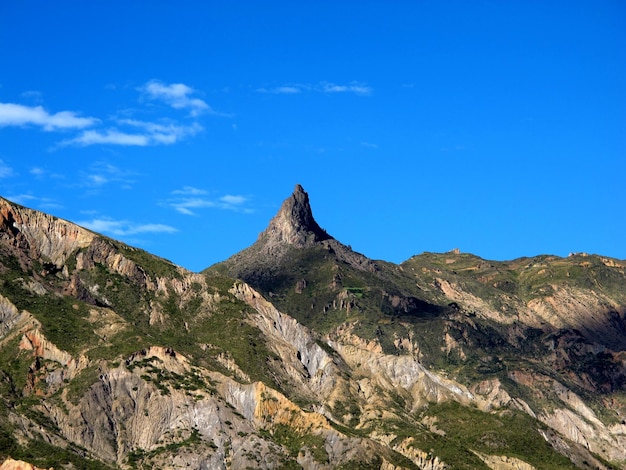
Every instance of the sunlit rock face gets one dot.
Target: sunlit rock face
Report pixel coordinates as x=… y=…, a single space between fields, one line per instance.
x=41 y=235
x=294 y=223
x=10 y=464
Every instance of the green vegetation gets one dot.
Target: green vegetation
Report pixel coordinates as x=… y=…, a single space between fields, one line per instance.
x=326 y=289
x=336 y=293
x=138 y=458
x=227 y=330
x=152 y=371
x=525 y=278
x=14 y=368
x=147 y=262
x=63 y=319
x=468 y=430
x=348 y=411
x=42 y=454
x=81 y=383
x=118 y=292
x=295 y=442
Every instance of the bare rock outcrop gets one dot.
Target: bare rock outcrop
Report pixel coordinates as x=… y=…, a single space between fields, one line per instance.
x=42 y=235
x=391 y=372
x=293 y=227
x=10 y=464
x=423 y=460
x=11 y=318
x=574 y=419
x=294 y=223
x=306 y=361
x=503 y=462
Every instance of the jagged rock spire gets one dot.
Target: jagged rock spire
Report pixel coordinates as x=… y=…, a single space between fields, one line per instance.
x=294 y=223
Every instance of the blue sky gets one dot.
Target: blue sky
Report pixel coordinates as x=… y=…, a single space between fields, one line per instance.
x=495 y=127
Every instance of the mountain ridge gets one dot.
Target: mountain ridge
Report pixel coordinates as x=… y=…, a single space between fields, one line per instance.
x=317 y=357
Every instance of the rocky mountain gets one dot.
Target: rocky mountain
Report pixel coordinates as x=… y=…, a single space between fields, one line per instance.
x=300 y=353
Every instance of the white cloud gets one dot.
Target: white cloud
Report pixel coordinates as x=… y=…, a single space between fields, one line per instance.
x=354 y=87
x=12 y=114
x=100 y=173
x=112 y=137
x=119 y=132
x=369 y=145
x=177 y=95
x=322 y=87
x=5 y=170
x=151 y=134
x=233 y=200
x=98 y=180
x=185 y=205
x=289 y=90
x=283 y=90
x=40 y=173
x=123 y=227
x=164 y=133
x=189 y=199
x=189 y=191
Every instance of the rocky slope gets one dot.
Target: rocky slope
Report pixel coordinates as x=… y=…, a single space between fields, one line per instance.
x=300 y=353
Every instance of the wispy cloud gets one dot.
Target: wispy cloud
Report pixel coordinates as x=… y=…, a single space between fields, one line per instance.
x=98 y=180
x=109 y=136
x=116 y=131
x=369 y=145
x=12 y=114
x=23 y=199
x=188 y=199
x=185 y=205
x=353 y=87
x=233 y=200
x=176 y=95
x=43 y=203
x=164 y=133
x=102 y=173
x=151 y=133
x=190 y=191
x=284 y=90
x=34 y=95
x=356 y=88
x=5 y=170
x=41 y=173
x=124 y=227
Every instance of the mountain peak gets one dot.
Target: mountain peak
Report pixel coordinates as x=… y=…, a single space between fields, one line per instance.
x=294 y=223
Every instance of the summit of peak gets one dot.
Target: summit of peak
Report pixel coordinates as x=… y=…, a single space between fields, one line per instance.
x=294 y=223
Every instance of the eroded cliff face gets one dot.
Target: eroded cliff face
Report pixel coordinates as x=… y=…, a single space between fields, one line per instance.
x=40 y=235
x=311 y=368
x=11 y=318
x=155 y=406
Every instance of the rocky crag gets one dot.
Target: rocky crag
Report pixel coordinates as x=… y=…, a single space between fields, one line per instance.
x=300 y=353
